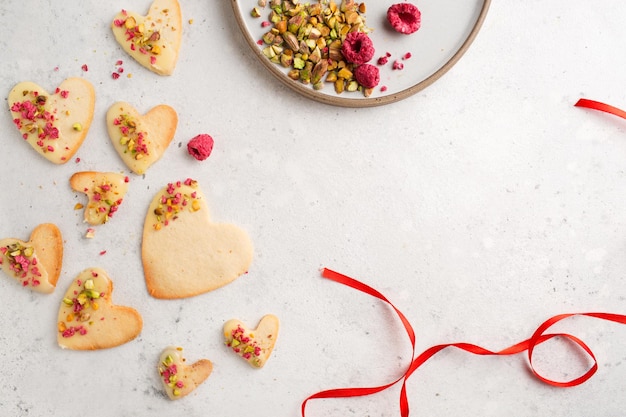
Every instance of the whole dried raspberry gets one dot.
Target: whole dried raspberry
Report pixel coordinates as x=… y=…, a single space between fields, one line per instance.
x=404 y=17
x=200 y=147
x=357 y=48
x=367 y=75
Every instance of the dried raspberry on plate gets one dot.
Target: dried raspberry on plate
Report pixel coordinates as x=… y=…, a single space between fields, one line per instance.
x=357 y=48
x=404 y=17
x=367 y=75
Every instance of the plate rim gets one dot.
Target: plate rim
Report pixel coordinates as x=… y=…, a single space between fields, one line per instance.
x=308 y=92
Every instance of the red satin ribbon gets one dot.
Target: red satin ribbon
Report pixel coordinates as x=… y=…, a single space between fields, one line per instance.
x=528 y=345
x=596 y=105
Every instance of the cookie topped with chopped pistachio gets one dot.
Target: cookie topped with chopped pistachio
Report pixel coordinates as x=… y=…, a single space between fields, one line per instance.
x=53 y=124
x=185 y=253
x=152 y=40
x=35 y=264
x=253 y=345
x=178 y=378
x=141 y=139
x=87 y=318
x=105 y=192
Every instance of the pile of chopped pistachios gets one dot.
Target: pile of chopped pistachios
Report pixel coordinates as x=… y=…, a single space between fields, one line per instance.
x=307 y=38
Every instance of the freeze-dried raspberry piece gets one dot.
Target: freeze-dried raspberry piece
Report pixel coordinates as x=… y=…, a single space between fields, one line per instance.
x=367 y=75
x=404 y=17
x=200 y=147
x=357 y=48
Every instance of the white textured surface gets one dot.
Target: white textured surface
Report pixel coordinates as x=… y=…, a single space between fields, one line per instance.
x=480 y=207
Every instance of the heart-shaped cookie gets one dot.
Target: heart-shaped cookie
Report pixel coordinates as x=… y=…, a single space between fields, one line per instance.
x=36 y=263
x=88 y=319
x=56 y=124
x=256 y=345
x=183 y=252
x=153 y=40
x=141 y=140
x=105 y=191
x=178 y=378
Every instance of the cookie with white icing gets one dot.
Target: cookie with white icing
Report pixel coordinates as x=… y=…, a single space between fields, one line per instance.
x=54 y=124
x=253 y=345
x=36 y=264
x=88 y=319
x=105 y=192
x=152 y=40
x=140 y=140
x=178 y=378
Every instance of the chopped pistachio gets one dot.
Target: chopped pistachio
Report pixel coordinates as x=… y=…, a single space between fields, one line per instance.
x=82 y=298
x=319 y=70
x=298 y=62
x=353 y=85
x=155 y=36
x=292 y=41
x=130 y=23
x=344 y=73
x=93 y=294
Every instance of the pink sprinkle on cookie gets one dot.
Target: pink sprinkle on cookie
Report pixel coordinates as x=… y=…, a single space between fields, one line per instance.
x=367 y=75
x=404 y=17
x=357 y=48
x=200 y=147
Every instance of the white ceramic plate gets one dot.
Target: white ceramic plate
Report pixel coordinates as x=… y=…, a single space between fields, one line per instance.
x=448 y=28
